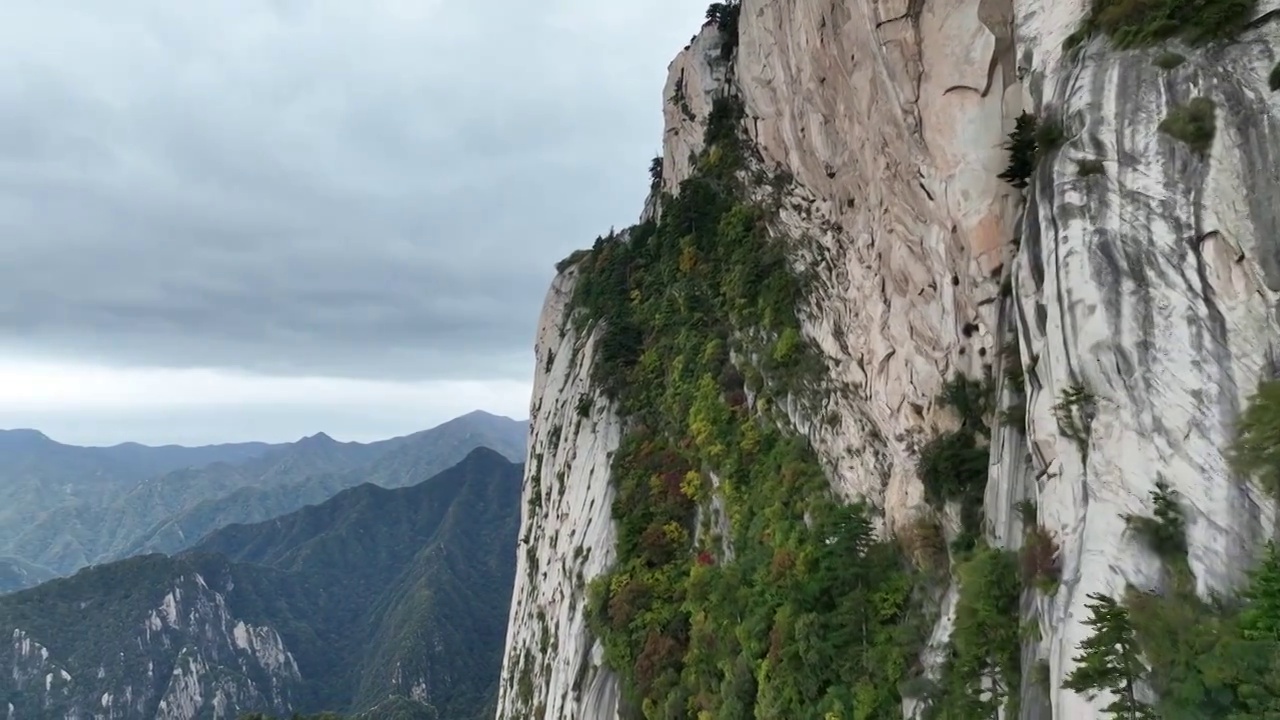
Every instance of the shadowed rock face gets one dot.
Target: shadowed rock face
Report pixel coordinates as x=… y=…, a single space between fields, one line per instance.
x=566 y=533
x=1151 y=285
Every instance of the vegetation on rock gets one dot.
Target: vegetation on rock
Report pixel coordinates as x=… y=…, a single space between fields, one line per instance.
x=1169 y=60
x=1193 y=124
x=1041 y=566
x=1014 y=415
x=725 y=16
x=1140 y=23
x=812 y=617
x=1031 y=140
x=982 y=670
x=1074 y=413
x=1022 y=151
x=1110 y=660
x=1217 y=658
x=953 y=465
x=1089 y=168
x=1255 y=451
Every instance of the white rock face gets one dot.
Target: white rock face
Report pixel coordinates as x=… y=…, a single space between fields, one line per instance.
x=892 y=126
x=224 y=665
x=550 y=668
x=1152 y=286
x=693 y=80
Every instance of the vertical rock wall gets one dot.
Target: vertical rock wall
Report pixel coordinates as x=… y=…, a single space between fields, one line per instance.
x=1151 y=285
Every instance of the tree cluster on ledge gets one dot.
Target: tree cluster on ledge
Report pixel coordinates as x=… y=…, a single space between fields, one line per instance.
x=1031 y=140
x=1142 y=23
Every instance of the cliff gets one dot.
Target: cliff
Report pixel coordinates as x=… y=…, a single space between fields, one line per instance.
x=552 y=664
x=1115 y=293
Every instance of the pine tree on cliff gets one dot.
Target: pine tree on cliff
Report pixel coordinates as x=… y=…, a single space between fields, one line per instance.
x=1260 y=619
x=1110 y=661
x=1255 y=658
x=1022 y=151
x=1255 y=451
x=725 y=17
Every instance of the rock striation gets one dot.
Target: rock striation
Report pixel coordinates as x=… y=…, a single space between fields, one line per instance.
x=1132 y=268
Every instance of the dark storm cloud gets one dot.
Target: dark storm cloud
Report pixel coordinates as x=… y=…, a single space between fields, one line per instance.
x=374 y=189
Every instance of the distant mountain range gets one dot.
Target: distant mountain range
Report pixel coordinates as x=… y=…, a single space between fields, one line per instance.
x=38 y=474
x=385 y=603
x=64 y=507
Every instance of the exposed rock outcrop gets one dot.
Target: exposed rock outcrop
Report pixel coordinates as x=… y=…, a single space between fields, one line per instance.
x=552 y=666
x=1152 y=286
x=223 y=665
x=1149 y=283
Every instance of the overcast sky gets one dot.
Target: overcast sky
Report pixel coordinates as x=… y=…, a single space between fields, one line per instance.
x=258 y=219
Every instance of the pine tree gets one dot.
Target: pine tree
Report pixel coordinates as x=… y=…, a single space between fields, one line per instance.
x=1109 y=660
x=1255 y=450
x=1260 y=620
x=1253 y=656
x=1022 y=151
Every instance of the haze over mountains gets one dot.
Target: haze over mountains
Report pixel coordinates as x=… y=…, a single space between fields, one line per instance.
x=64 y=507
x=369 y=579
x=386 y=602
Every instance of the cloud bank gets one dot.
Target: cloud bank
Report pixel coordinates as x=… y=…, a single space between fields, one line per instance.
x=369 y=191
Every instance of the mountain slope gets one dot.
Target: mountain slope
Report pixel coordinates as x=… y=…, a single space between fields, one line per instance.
x=410 y=460
x=38 y=474
x=446 y=598
x=171 y=512
x=16 y=575
x=278 y=616
x=80 y=533
x=976 y=291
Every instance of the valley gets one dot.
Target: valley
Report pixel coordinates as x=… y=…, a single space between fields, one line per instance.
x=367 y=580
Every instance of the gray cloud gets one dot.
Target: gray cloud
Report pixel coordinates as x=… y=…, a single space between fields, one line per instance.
x=372 y=189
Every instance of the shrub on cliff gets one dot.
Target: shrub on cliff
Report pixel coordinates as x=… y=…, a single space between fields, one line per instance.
x=982 y=671
x=1041 y=566
x=953 y=465
x=1193 y=124
x=1139 y=23
x=1256 y=448
x=1022 y=151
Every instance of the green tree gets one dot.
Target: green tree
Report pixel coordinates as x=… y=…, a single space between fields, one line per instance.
x=1022 y=151
x=725 y=16
x=1256 y=448
x=1110 y=660
x=1260 y=619
x=1250 y=660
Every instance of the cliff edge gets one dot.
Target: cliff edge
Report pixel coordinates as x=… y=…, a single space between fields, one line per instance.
x=971 y=291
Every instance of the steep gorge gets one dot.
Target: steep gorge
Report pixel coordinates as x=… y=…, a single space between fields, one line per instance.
x=1131 y=284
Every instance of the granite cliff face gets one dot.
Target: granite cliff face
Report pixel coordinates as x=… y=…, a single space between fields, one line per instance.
x=191 y=657
x=1147 y=282
x=552 y=666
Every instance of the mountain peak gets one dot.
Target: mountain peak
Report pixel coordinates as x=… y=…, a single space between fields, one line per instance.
x=478 y=414
x=18 y=437
x=320 y=438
